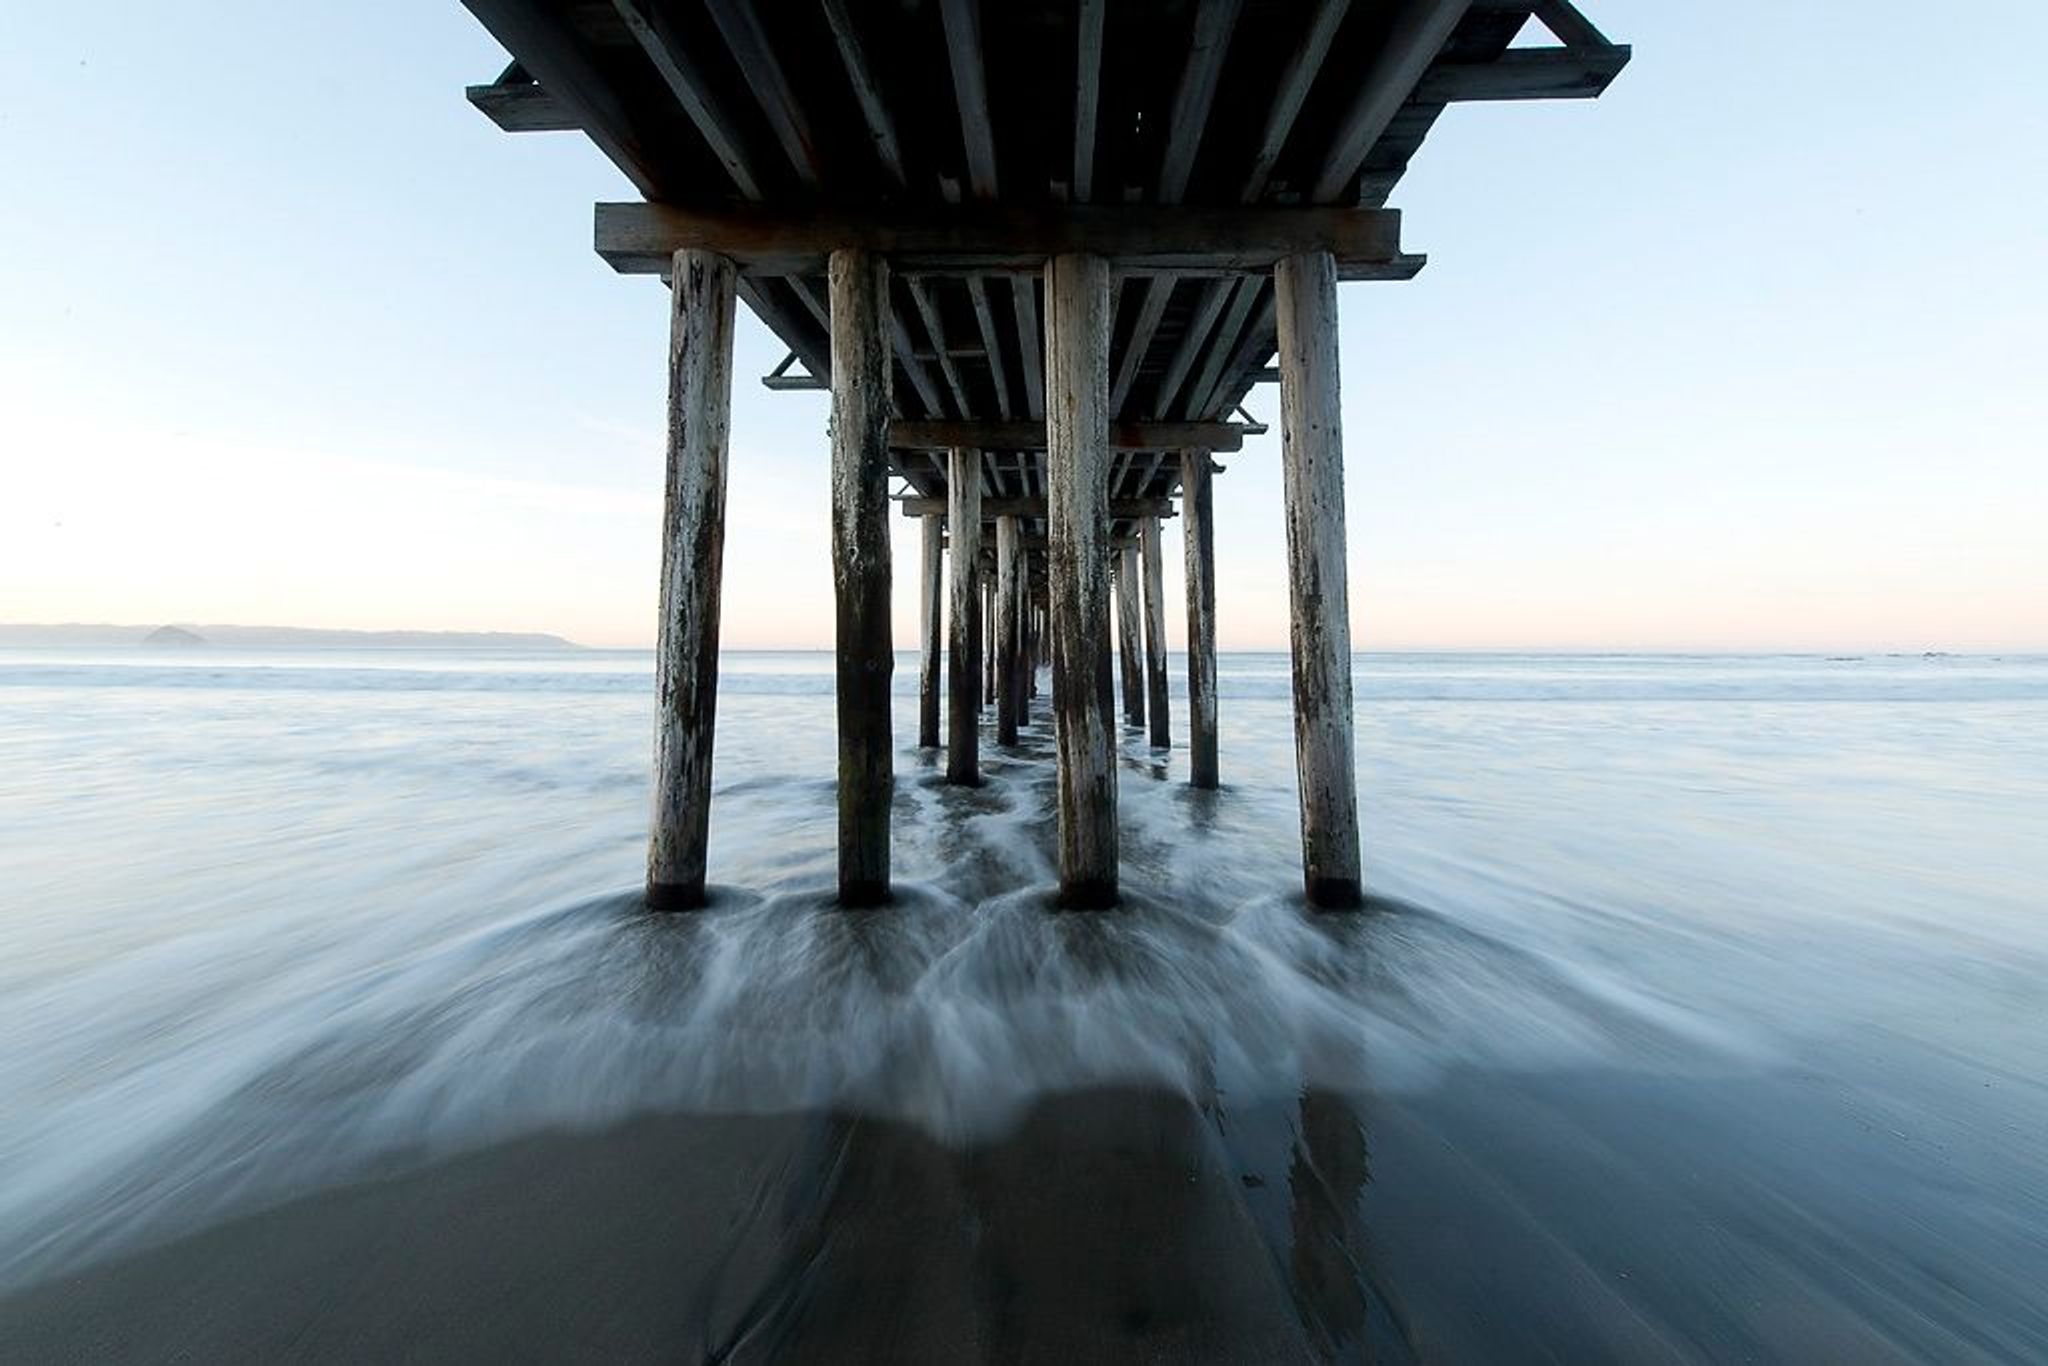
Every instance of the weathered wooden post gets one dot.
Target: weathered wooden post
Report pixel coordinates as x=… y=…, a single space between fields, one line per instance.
x=1198 y=541
x=985 y=638
x=1020 y=613
x=692 y=555
x=1312 y=465
x=1077 y=476
x=1009 y=621
x=963 y=667
x=1155 y=635
x=931 y=599
x=859 y=283
x=1041 y=639
x=1127 y=635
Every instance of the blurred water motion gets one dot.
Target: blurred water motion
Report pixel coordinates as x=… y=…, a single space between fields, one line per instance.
x=1700 y=1010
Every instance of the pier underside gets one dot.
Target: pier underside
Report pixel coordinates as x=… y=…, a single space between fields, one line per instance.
x=1184 y=159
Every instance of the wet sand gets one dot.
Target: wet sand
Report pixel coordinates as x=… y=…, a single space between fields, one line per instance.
x=1593 y=1217
x=1109 y=1226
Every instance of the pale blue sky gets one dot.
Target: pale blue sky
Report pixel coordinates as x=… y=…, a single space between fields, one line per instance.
x=1747 y=354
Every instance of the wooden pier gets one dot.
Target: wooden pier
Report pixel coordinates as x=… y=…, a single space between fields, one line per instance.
x=1040 y=252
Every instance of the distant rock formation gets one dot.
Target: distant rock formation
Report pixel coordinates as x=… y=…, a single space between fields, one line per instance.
x=76 y=634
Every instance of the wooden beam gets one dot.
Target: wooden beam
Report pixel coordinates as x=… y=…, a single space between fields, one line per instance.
x=692 y=556
x=1158 y=292
x=1245 y=363
x=906 y=356
x=1312 y=465
x=1215 y=293
x=881 y=126
x=1034 y=436
x=1033 y=505
x=640 y=238
x=962 y=20
x=1030 y=350
x=781 y=380
x=1546 y=73
x=1087 y=94
x=860 y=571
x=1420 y=30
x=992 y=347
x=1224 y=346
x=1207 y=47
x=550 y=48
x=519 y=104
x=1301 y=72
x=739 y=22
x=1136 y=482
x=963 y=663
x=760 y=295
x=920 y=296
x=670 y=55
x=1569 y=26
x=1077 y=381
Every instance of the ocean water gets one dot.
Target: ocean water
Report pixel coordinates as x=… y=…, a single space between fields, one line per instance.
x=1703 y=999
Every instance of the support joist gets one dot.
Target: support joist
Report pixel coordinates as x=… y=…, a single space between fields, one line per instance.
x=1418 y=32
x=519 y=104
x=1034 y=506
x=1031 y=436
x=1138 y=239
x=1526 y=74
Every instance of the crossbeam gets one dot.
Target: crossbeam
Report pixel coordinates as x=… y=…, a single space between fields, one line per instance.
x=1138 y=239
x=1526 y=74
x=1030 y=436
x=518 y=104
x=992 y=508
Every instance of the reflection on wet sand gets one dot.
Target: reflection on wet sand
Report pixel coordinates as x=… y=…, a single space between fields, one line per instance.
x=1107 y=1226
x=1326 y=1184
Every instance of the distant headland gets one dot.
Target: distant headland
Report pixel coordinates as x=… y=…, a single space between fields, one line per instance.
x=189 y=636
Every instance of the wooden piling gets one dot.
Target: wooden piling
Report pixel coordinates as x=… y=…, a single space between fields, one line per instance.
x=692 y=556
x=1077 y=318
x=1198 y=541
x=1155 y=634
x=1312 y=466
x=1128 y=631
x=1105 y=667
x=1041 y=644
x=1021 y=614
x=859 y=284
x=963 y=681
x=931 y=599
x=1009 y=623
x=985 y=638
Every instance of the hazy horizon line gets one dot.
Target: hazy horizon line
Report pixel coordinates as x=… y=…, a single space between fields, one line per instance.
x=1408 y=648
